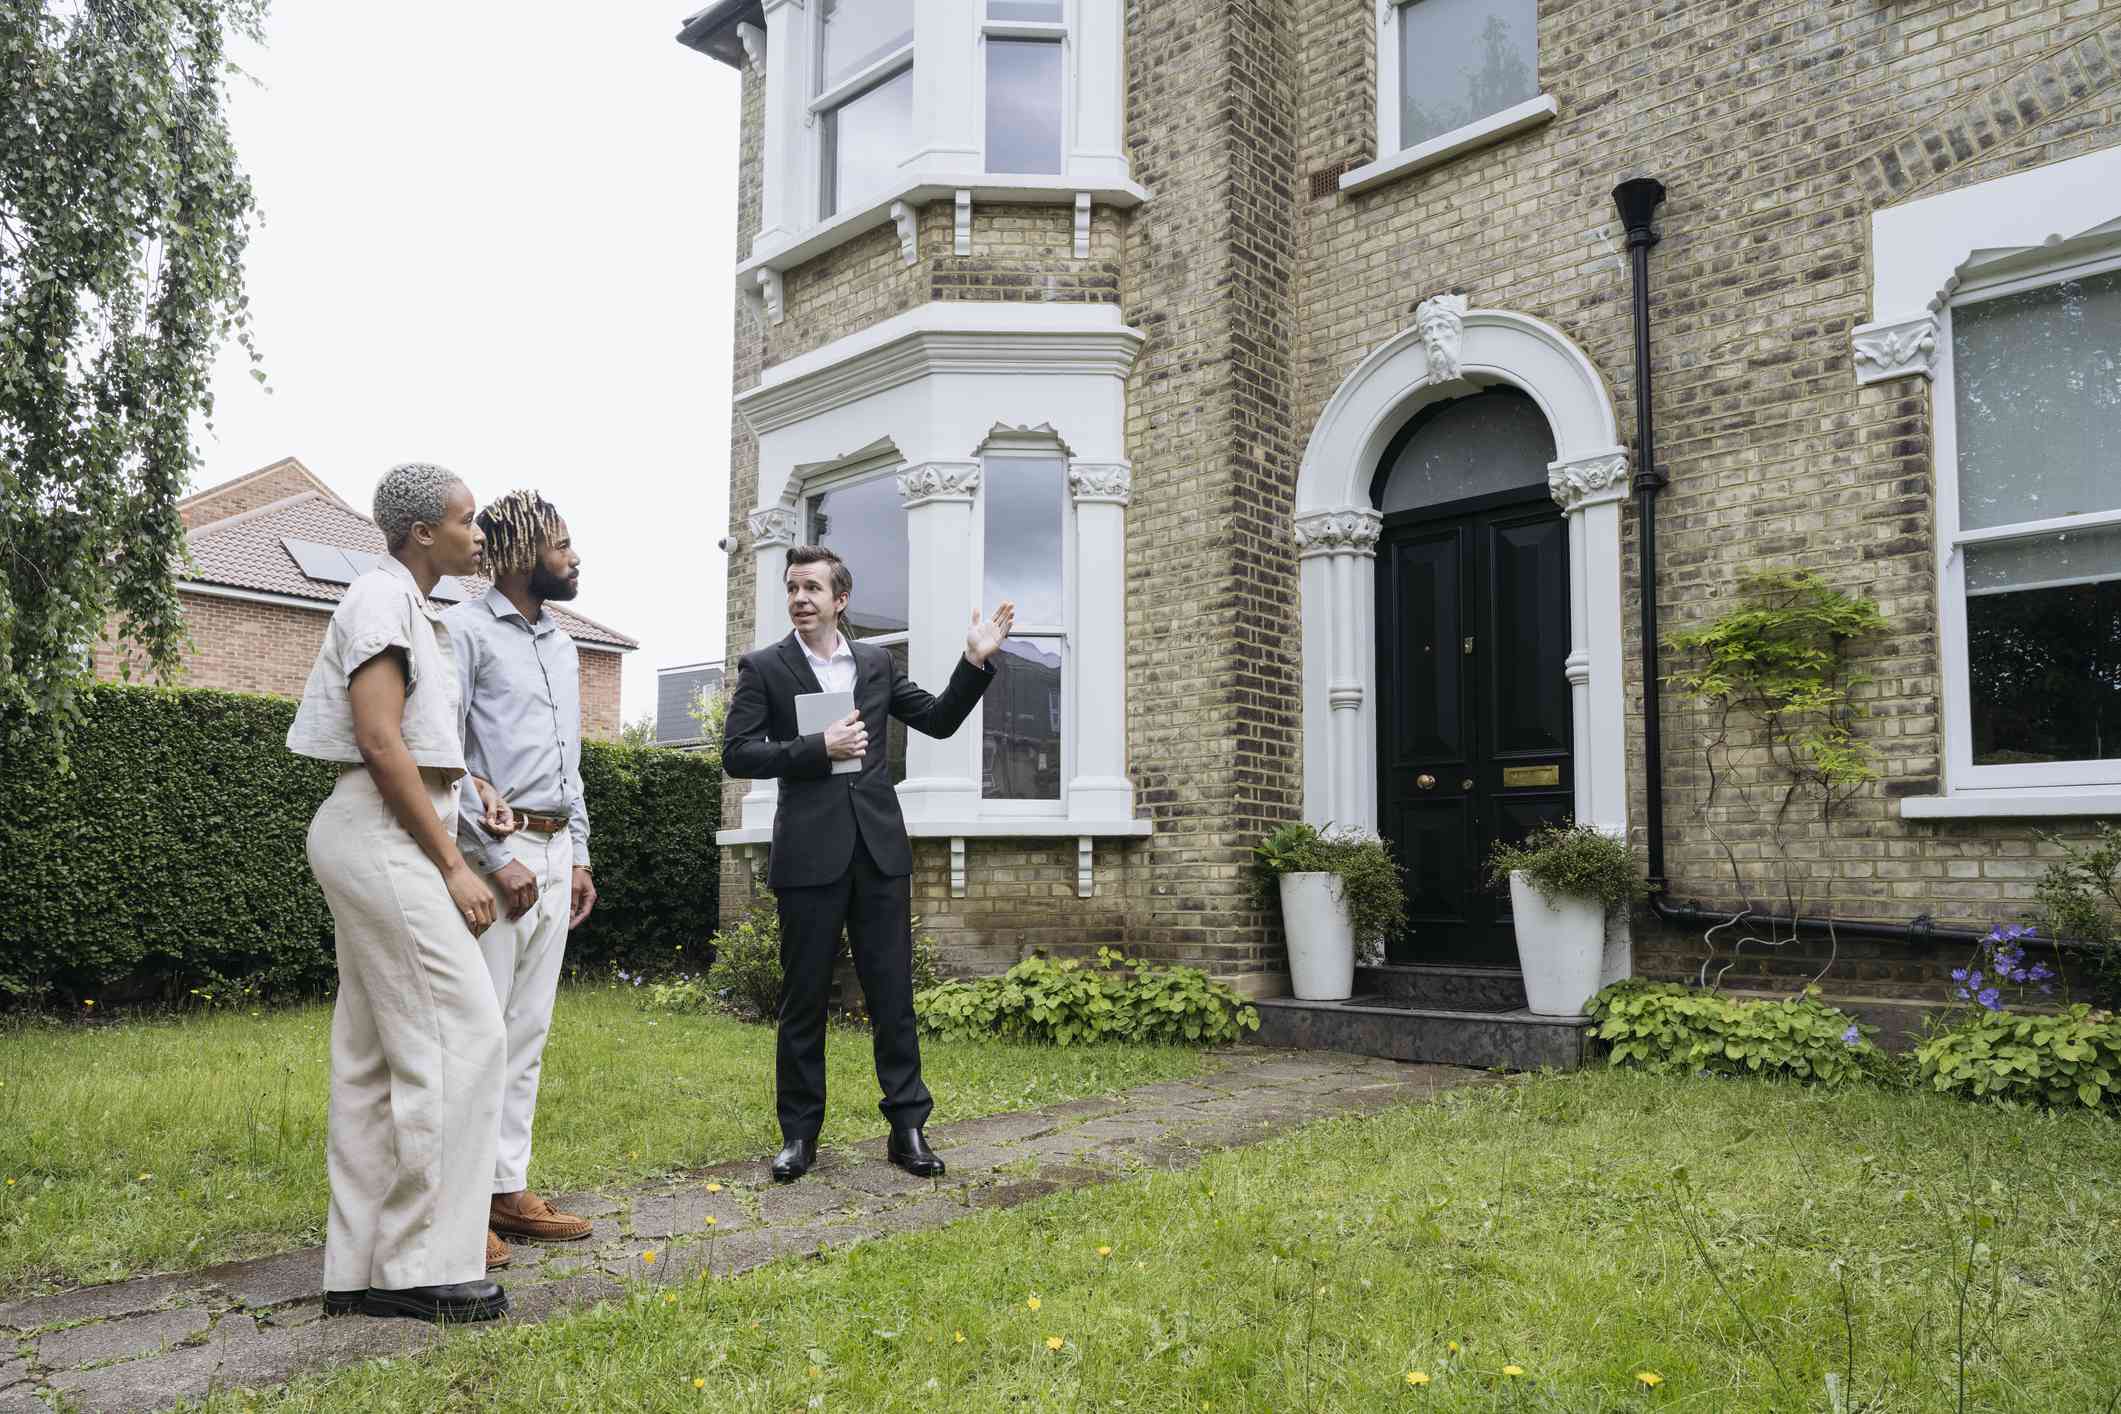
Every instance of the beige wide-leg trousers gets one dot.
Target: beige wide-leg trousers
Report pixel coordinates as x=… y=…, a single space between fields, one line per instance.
x=523 y=956
x=417 y=1054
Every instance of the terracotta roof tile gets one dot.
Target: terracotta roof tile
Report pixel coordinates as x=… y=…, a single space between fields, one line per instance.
x=245 y=552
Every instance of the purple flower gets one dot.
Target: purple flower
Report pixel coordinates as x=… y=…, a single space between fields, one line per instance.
x=2038 y=973
x=1852 y=1037
x=1990 y=998
x=1958 y=974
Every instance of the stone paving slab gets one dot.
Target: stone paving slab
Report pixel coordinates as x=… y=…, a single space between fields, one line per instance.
x=257 y=1324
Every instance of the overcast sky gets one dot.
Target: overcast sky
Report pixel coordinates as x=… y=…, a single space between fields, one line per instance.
x=501 y=238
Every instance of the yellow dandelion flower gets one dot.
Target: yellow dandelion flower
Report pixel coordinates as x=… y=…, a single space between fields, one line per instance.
x=1649 y=1378
x=11 y=1183
x=1031 y=1304
x=699 y=1384
x=649 y=1258
x=813 y=1371
x=669 y=1300
x=1450 y=1347
x=958 y=1337
x=1513 y=1371
x=714 y=1188
x=1054 y=1342
x=144 y=1178
x=1104 y=1251
x=1417 y=1378
x=710 y=1220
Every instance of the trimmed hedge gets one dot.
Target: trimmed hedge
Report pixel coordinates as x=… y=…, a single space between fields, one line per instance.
x=172 y=856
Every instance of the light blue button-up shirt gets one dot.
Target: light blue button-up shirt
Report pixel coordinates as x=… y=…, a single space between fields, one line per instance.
x=521 y=719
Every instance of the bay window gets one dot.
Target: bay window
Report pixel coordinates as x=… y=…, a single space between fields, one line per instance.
x=864 y=523
x=1026 y=90
x=1023 y=522
x=864 y=102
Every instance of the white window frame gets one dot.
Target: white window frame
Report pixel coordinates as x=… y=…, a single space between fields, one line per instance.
x=946 y=157
x=1960 y=770
x=1395 y=160
x=1049 y=450
x=824 y=106
x=1927 y=254
x=1061 y=32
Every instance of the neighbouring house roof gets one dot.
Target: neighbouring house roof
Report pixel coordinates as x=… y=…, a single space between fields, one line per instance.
x=675 y=688
x=249 y=551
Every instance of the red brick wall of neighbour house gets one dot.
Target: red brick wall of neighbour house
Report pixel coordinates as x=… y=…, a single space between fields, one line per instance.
x=245 y=494
x=1778 y=129
x=240 y=645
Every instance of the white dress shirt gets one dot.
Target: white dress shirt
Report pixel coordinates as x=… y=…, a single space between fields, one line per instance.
x=834 y=674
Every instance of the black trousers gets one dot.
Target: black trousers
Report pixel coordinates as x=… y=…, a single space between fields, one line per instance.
x=876 y=911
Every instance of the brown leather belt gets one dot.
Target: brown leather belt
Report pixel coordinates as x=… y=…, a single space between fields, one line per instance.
x=540 y=824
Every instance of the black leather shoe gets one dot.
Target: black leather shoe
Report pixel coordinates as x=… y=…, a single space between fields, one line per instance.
x=909 y=1150
x=459 y=1301
x=343 y=1303
x=797 y=1157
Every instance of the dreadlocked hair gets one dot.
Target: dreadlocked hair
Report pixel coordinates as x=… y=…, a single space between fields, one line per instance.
x=518 y=527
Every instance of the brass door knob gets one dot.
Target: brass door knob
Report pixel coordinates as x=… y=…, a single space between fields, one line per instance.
x=1425 y=781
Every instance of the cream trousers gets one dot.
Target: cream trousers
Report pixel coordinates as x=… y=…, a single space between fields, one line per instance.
x=523 y=957
x=417 y=1054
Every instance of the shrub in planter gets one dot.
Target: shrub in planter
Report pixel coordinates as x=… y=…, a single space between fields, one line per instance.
x=1563 y=881
x=2065 y=1060
x=1670 y=1029
x=1340 y=895
x=1066 y=1003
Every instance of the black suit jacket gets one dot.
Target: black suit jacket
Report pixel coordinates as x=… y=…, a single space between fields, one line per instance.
x=819 y=813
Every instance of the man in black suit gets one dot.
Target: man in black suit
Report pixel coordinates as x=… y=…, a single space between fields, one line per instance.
x=841 y=858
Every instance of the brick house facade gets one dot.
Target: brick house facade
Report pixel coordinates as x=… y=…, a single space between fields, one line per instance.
x=255 y=620
x=1305 y=301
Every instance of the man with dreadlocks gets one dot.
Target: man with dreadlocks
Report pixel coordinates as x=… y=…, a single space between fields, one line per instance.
x=521 y=719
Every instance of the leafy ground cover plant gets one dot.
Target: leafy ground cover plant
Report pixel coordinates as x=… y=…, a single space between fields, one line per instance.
x=2060 y=1060
x=1569 y=861
x=1066 y=1003
x=1669 y=1029
x=1370 y=879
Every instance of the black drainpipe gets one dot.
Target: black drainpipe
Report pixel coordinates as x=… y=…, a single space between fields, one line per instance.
x=1638 y=199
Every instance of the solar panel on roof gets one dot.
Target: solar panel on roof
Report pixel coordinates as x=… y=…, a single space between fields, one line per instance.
x=325 y=563
x=362 y=561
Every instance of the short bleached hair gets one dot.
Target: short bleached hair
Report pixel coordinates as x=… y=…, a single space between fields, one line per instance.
x=410 y=494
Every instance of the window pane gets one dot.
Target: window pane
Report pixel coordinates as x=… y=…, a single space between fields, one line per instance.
x=865 y=524
x=1021 y=751
x=1025 y=11
x=1025 y=501
x=1498 y=440
x=864 y=139
x=1023 y=105
x=1462 y=60
x=2037 y=380
x=2044 y=673
x=857 y=33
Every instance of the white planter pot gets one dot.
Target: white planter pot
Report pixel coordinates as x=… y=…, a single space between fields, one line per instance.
x=1560 y=948
x=1314 y=913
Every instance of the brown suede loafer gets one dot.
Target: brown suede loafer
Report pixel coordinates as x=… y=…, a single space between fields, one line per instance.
x=497 y=1253
x=527 y=1215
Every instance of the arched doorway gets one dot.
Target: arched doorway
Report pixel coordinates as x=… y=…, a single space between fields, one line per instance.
x=1473 y=731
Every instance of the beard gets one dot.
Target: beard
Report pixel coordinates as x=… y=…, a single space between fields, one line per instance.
x=544 y=584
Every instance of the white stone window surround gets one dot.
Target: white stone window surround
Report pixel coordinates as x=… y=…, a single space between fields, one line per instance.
x=1395 y=160
x=1981 y=241
x=932 y=394
x=949 y=127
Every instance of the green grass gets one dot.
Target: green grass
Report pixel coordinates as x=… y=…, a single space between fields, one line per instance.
x=163 y=1145
x=1542 y=1225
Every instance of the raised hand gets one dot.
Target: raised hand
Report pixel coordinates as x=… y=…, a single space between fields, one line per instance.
x=987 y=637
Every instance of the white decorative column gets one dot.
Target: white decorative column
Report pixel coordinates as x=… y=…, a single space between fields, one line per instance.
x=782 y=207
x=947 y=52
x=1100 y=789
x=1590 y=491
x=942 y=777
x=771 y=530
x=1337 y=559
x=1097 y=69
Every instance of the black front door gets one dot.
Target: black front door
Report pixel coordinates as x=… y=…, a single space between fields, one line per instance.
x=1473 y=710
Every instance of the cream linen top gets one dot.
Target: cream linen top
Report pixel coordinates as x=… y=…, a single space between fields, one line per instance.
x=383 y=609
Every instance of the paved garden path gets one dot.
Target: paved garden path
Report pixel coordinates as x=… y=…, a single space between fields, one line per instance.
x=147 y=1343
